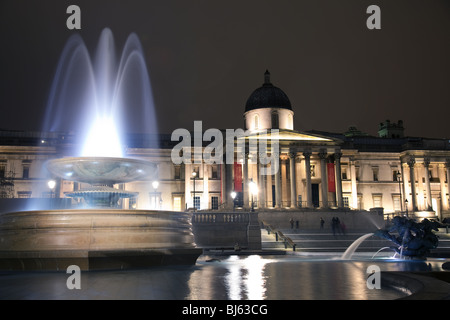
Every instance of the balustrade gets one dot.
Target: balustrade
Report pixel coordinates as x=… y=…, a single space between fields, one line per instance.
x=203 y=217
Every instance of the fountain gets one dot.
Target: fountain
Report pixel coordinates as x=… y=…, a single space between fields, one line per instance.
x=102 y=173
x=101 y=235
x=414 y=240
x=352 y=248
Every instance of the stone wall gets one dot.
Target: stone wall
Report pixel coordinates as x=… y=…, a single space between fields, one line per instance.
x=226 y=229
x=310 y=219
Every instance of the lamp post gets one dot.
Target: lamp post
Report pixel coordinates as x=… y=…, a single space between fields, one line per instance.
x=254 y=192
x=155 y=185
x=400 y=190
x=406 y=207
x=233 y=196
x=194 y=175
x=51 y=184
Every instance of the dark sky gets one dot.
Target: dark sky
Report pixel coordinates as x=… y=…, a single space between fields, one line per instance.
x=206 y=57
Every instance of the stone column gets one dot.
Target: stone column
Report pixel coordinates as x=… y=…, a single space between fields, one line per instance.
x=339 y=199
x=278 y=187
x=293 y=180
x=444 y=202
x=324 y=177
x=354 y=185
x=284 y=189
x=307 y=155
x=412 y=179
x=269 y=191
x=261 y=186
x=406 y=187
x=229 y=186
x=426 y=165
x=245 y=181
x=187 y=186
x=447 y=166
x=206 y=202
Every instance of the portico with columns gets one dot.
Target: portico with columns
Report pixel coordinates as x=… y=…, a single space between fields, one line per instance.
x=300 y=179
x=300 y=182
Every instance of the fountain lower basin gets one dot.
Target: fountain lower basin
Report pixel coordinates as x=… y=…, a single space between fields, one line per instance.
x=95 y=239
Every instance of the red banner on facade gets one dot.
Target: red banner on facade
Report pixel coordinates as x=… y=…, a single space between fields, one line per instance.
x=237 y=177
x=331 y=178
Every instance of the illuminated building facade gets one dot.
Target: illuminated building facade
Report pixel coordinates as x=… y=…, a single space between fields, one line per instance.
x=317 y=170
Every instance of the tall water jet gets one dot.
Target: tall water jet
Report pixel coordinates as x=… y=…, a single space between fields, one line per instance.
x=101 y=236
x=99 y=98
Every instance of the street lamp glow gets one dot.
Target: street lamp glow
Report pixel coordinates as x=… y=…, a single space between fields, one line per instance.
x=233 y=195
x=253 y=188
x=51 y=184
x=254 y=192
x=155 y=184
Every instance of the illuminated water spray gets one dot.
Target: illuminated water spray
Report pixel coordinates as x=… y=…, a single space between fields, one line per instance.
x=99 y=98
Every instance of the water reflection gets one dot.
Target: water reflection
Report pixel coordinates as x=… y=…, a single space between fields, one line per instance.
x=234 y=277
x=245 y=278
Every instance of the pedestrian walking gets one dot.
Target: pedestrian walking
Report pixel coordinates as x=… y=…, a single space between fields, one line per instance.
x=322 y=222
x=333 y=225
x=292 y=223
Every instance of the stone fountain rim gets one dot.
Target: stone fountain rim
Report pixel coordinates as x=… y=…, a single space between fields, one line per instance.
x=98 y=180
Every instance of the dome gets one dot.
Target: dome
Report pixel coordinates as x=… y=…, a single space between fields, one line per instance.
x=268 y=96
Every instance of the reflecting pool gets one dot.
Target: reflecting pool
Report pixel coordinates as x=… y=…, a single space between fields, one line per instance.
x=232 y=277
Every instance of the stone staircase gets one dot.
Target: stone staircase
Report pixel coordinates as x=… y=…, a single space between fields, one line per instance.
x=322 y=240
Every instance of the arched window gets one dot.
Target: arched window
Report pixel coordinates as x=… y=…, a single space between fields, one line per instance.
x=275 y=124
x=256 y=122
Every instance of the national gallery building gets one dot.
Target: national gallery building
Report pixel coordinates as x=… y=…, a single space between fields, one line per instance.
x=316 y=170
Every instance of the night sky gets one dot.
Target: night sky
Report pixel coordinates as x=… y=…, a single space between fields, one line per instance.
x=205 y=58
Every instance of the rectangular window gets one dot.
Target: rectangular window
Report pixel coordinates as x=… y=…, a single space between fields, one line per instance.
x=375 y=173
x=396 y=201
x=214 y=203
x=26 y=172
x=377 y=201
x=215 y=172
x=197 y=203
x=346 y=202
x=177 y=175
x=313 y=170
x=177 y=203
x=344 y=174
x=26 y=169
x=396 y=175
x=132 y=203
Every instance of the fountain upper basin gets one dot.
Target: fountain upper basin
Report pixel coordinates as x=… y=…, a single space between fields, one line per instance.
x=101 y=170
